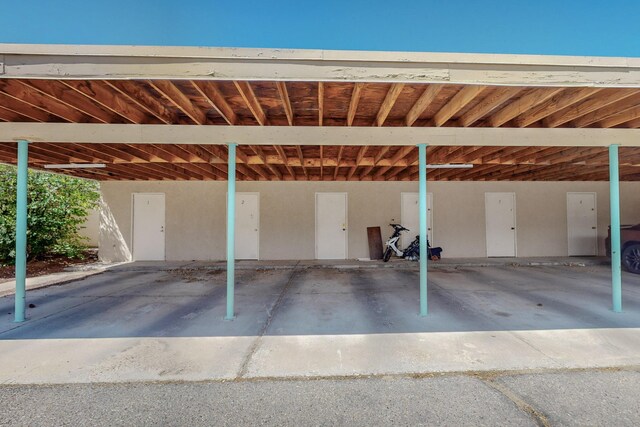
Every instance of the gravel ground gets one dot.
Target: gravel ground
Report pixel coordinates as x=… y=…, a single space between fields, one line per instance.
x=553 y=398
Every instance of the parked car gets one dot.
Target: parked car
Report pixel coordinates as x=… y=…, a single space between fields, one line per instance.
x=630 y=245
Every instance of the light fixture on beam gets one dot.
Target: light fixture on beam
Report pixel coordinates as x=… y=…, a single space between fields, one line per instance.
x=76 y=166
x=451 y=166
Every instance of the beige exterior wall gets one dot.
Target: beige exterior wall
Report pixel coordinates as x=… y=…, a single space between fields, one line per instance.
x=91 y=228
x=195 y=215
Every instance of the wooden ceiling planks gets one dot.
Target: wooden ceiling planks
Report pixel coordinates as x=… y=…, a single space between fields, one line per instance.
x=266 y=103
x=314 y=104
x=328 y=163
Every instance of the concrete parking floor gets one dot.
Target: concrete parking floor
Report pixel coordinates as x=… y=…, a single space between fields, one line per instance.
x=136 y=323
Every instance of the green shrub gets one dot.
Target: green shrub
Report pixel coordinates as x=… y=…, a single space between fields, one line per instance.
x=57 y=206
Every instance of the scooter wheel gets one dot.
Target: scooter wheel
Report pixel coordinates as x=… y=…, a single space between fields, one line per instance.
x=387 y=255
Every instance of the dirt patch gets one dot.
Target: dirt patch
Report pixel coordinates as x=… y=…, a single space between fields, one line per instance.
x=49 y=265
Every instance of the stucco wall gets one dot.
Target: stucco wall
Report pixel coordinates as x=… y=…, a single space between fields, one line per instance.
x=91 y=228
x=195 y=215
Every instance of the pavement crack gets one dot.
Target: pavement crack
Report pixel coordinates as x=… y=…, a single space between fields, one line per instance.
x=271 y=312
x=539 y=417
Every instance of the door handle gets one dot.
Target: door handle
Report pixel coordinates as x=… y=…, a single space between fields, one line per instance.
x=513 y=228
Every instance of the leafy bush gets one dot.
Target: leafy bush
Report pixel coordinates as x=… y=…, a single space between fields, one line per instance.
x=57 y=206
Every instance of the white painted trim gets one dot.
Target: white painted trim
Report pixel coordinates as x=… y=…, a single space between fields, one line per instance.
x=315 y=135
x=595 y=203
x=270 y=54
x=346 y=219
x=167 y=62
x=515 y=221
x=132 y=234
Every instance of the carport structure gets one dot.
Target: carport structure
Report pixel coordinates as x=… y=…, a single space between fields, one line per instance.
x=199 y=114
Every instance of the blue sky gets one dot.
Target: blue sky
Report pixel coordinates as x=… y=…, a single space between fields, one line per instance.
x=564 y=27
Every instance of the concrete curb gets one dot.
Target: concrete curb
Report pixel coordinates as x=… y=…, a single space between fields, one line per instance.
x=8 y=288
x=364 y=265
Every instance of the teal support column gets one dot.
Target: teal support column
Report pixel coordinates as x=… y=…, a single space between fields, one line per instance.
x=614 y=201
x=21 y=231
x=231 y=231
x=422 y=192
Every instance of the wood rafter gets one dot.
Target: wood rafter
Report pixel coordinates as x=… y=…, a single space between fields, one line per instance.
x=523 y=104
x=320 y=103
x=587 y=106
x=283 y=156
x=286 y=103
x=196 y=162
x=388 y=103
x=214 y=97
x=258 y=150
x=422 y=103
x=353 y=104
x=109 y=99
x=250 y=99
x=139 y=96
x=557 y=102
x=58 y=91
x=170 y=91
x=455 y=104
x=25 y=94
x=301 y=159
x=338 y=157
x=490 y=103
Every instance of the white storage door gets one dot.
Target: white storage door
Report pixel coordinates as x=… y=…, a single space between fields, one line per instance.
x=582 y=224
x=148 y=227
x=247 y=225
x=409 y=211
x=331 y=225
x=500 y=212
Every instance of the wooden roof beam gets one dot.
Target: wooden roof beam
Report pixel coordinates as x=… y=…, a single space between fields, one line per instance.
x=25 y=94
x=320 y=103
x=620 y=118
x=210 y=92
x=455 y=104
x=490 y=103
x=285 y=160
x=389 y=101
x=393 y=162
x=109 y=99
x=260 y=153
x=557 y=102
x=286 y=103
x=249 y=97
x=301 y=158
x=68 y=96
x=338 y=157
x=608 y=111
x=422 y=103
x=605 y=98
x=170 y=91
x=523 y=104
x=353 y=104
x=478 y=155
x=359 y=158
x=134 y=92
x=7 y=115
x=75 y=156
x=18 y=110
